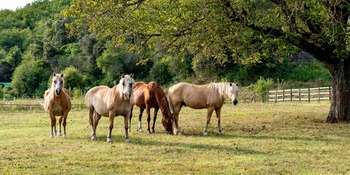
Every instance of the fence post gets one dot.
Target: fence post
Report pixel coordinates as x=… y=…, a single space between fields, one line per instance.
x=299 y=94
x=309 y=96
x=254 y=97
x=291 y=95
x=283 y=95
x=276 y=97
x=244 y=96
x=330 y=93
x=319 y=94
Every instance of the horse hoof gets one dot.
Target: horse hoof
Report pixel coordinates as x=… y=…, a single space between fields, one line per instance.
x=205 y=133
x=140 y=130
x=93 y=138
x=109 y=140
x=127 y=140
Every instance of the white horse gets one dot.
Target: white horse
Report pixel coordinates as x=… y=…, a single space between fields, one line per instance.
x=210 y=96
x=110 y=102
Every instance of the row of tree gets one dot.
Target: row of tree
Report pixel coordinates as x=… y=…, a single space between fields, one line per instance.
x=94 y=42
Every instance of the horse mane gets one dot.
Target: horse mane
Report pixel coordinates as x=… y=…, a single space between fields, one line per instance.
x=160 y=97
x=223 y=88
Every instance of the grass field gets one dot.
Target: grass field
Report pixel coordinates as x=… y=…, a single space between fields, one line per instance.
x=283 y=138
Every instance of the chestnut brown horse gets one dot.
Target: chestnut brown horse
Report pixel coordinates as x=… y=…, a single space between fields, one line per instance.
x=110 y=102
x=210 y=96
x=57 y=103
x=151 y=95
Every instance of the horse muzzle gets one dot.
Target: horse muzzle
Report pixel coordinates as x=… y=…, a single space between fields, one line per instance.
x=127 y=96
x=58 y=92
x=234 y=102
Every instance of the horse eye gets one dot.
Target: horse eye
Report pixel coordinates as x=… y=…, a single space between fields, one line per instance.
x=55 y=82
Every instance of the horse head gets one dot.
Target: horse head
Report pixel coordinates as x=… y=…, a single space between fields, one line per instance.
x=127 y=85
x=167 y=122
x=57 y=83
x=234 y=93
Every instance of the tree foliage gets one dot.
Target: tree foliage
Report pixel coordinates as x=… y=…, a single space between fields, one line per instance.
x=224 y=30
x=165 y=41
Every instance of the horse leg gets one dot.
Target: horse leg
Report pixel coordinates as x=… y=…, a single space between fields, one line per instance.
x=140 y=117
x=129 y=124
x=64 y=124
x=210 y=112
x=218 y=111
x=148 y=111
x=111 y=123
x=94 y=118
x=126 y=127
x=177 y=109
x=154 y=118
x=52 y=125
x=59 y=126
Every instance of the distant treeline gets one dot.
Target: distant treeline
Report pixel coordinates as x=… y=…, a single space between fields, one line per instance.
x=35 y=42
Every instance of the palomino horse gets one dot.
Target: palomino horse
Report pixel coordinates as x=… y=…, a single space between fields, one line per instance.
x=210 y=96
x=57 y=103
x=151 y=95
x=110 y=102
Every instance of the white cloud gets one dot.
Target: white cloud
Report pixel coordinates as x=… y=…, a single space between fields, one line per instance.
x=13 y=4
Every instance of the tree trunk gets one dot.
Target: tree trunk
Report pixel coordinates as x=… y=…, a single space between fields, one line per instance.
x=340 y=101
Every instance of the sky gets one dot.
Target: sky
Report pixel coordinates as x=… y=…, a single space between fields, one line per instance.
x=13 y=4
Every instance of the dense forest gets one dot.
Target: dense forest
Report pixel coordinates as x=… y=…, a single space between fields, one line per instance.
x=37 y=40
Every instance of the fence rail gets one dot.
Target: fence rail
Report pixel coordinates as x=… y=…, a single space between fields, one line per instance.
x=301 y=94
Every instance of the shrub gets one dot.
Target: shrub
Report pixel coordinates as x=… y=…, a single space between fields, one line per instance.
x=262 y=86
x=73 y=78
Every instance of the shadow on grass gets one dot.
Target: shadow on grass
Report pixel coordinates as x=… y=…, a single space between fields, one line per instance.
x=264 y=137
x=201 y=146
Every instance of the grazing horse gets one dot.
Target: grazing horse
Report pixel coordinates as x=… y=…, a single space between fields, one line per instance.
x=110 y=102
x=57 y=103
x=151 y=95
x=210 y=96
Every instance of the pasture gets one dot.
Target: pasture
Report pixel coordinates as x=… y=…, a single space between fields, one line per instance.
x=281 y=138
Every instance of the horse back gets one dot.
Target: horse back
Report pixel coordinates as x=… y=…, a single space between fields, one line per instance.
x=195 y=96
x=103 y=100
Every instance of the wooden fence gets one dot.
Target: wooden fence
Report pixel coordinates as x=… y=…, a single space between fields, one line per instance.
x=301 y=94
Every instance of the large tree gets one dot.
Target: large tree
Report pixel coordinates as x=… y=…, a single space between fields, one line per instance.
x=239 y=30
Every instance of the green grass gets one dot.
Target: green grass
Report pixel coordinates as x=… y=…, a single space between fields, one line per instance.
x=283 y=138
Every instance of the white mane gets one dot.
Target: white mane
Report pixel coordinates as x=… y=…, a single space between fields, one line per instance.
x=223 y=88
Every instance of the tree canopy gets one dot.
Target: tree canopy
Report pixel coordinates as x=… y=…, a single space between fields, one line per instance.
x=224 y=30
x=164 y=40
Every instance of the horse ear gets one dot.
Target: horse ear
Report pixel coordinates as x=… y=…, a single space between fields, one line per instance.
x=62 y=75
x=122 y=76
x=131 y=75
x=230 y=84
x=237 y=84
x=54 y=74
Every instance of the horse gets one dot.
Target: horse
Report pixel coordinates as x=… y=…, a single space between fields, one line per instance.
x=210 y=96
x=57 y=103
x=110 y=102
x=151 y=95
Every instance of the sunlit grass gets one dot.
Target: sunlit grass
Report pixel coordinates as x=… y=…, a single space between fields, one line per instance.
x=282 y=138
